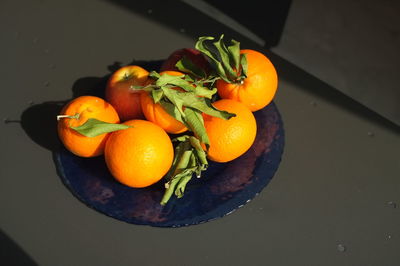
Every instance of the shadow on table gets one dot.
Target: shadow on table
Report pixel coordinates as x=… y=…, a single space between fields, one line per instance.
x=39 y=121
x=211 y=18
x=311 y=84
x=190 y=21
x=11 y=254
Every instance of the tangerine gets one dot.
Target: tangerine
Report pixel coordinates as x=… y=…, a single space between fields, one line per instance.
x=155 y=113
x=259 y=87
x=230 y=138
x=140 y=155
x=76 y=113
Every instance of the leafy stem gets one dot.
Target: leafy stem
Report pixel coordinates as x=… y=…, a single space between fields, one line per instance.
x=189 y=159
x=186 y=100
x=92 y=127
x=227 y=61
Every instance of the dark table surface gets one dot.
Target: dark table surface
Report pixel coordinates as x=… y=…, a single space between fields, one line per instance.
x=332 y=201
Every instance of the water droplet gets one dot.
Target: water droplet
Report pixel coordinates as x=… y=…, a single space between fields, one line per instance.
x=341 y=248
x=149 y=11
x=182 y=30
x=371 y=134
x=46 y=83
x=392 y=204
x=389 y=236
x=6 y=120
x=313 y=103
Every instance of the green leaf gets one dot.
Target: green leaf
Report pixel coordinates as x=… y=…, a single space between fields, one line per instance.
x=196 y=124
x=187 y=66
x=186 y=163
x=243 y=64
x=154 y=75
x=190 y=99
x=170 y=188
x=205 y=92
x=93 y=127
x=204 y=105
x=225 y=58
x=183 y=153
x=182 y=138
x=172 y=110
x=229 y=64
x=148 y=88
x=176 y=81
x=200 y=46
x=198 y=150
x=186 y=176
x=174 y=97
x=179 y=150
x=234 y=54
x=157 y=95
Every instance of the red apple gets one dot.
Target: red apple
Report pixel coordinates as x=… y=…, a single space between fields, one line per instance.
x=119 y=94
x=192 y=54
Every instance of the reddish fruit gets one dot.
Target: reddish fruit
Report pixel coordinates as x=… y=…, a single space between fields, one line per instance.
x=192 y=54
x=119 y=94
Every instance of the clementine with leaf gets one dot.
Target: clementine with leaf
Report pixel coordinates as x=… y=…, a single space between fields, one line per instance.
x=247 y=76
x=84 y=125
x=158 y=114
x=230 y=138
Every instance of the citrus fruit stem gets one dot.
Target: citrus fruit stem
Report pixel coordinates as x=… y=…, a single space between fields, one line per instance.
x=76 y=116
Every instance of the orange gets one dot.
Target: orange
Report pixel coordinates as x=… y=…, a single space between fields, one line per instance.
x=258 y=89
x=121 y=96
x=139 y=156
x=230 y=138
x=155 y=113
x=86 y=107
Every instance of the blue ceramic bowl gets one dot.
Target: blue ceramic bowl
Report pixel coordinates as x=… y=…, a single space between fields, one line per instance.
x=223 y=187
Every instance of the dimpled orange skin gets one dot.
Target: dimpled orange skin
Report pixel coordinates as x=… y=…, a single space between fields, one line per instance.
x=231 y=138
x=139 y=156
x=87 y=107
x=260 y=86
x=119 y=94
x=155 y=113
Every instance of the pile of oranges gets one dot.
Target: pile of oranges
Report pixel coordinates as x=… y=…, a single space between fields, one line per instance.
x=133 y=128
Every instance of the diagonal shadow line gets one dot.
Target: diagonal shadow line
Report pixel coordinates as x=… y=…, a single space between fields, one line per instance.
x=313 y=85
x=198 y=24
x=12 y=254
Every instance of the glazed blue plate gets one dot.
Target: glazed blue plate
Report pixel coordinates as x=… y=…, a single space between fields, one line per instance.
x=223 y=187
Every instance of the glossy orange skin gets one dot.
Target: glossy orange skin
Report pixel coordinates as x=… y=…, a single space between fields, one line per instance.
x=119 y=94
x=87 y=107
x=139 y=156
x=258 y=89
x=231 y=138
x=155 y=113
